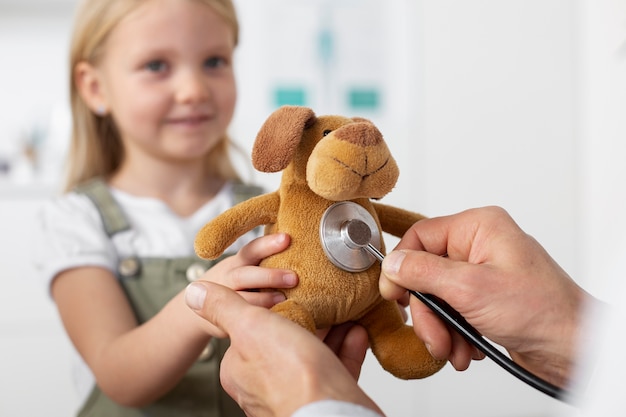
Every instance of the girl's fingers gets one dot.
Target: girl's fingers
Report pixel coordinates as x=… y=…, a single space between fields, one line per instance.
x=262 y=247
x=265 y=299
x=254 y=277
x=240 y=271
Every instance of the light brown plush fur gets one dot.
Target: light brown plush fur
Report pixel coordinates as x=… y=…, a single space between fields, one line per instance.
x=325 y=160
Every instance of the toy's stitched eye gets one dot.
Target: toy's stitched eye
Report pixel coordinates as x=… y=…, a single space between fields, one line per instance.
x=327 y=132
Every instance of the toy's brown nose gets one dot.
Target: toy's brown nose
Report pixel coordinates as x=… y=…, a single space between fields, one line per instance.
x=361 y=133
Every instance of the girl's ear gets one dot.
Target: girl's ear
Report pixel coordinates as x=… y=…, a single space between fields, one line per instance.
x=90 y=88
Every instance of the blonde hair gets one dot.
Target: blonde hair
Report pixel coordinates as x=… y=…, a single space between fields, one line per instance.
x=96 y=149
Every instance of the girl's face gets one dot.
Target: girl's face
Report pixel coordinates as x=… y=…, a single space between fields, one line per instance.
x=167 y=79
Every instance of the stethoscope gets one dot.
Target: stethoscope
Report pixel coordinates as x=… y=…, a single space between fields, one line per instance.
x=351 y=240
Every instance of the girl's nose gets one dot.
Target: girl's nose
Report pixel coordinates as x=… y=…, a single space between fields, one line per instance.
x=192 y=87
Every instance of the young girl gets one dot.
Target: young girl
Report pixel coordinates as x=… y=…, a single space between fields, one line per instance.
x=152 y=94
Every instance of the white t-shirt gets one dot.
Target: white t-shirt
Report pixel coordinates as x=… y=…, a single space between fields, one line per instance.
x=72 y=235
x=333 y=408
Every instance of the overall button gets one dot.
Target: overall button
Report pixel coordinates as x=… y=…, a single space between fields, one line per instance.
x=195 y=271
x=129 y=267
x=206 y=354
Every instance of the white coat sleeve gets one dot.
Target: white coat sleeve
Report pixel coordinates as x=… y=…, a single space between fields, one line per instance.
x=333 y=408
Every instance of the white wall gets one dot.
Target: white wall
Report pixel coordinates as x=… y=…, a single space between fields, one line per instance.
x=603 y=151
x=34 y=362
x=514 y=103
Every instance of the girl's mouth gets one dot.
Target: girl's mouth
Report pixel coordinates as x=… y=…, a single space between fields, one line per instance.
x=192 y=120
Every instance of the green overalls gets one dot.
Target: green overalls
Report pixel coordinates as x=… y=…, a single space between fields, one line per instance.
x=149 y=284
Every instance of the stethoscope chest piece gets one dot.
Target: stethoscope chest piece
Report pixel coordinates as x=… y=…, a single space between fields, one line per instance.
x=345 y=229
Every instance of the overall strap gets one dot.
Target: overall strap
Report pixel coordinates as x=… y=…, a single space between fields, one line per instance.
x=113 y=217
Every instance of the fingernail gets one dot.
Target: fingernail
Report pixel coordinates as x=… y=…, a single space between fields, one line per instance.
x=279 y=298
x=281 y=237
x=290 y=279
x=393 y=262
x=195 y=295
x=428 y=348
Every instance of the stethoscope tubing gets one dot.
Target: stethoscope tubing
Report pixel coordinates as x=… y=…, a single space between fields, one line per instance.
x=458 y=323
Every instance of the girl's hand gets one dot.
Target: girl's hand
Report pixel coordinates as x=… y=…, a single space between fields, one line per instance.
x=241 y=272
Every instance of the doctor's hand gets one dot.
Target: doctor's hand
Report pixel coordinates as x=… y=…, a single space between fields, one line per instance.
x=500 y=279
x=273 y=366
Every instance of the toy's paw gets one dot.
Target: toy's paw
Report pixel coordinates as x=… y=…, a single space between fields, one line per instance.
x=402 y=354
x=212 y=240
x=395 y=344
x=204 y=252
x=296 y=313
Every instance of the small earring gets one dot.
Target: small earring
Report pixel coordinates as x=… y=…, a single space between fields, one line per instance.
x=101 y=110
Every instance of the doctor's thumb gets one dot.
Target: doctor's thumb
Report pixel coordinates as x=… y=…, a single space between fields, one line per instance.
x=195 y=295
x=388 y=286
x=215 y=303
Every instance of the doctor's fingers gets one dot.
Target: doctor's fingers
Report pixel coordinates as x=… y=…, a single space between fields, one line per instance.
x=459 y=235
x=431 y=330
x=463 y=353
x=430 y=274
x=349 y=341
x=220 y=306
x=442 y=342
x=226 y=309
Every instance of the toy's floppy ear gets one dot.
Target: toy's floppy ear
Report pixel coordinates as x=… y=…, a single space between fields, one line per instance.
x=279 y=137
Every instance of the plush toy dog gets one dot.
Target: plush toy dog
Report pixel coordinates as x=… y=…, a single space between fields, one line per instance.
x=325 y=160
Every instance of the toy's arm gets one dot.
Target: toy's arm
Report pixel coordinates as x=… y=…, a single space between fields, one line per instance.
x=218 y=234
x=396 y=221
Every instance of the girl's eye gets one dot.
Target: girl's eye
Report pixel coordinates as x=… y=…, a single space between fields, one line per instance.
x=215 y=62
x=156 y=66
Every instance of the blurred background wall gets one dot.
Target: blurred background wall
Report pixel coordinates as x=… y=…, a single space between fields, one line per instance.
x=509 y=102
